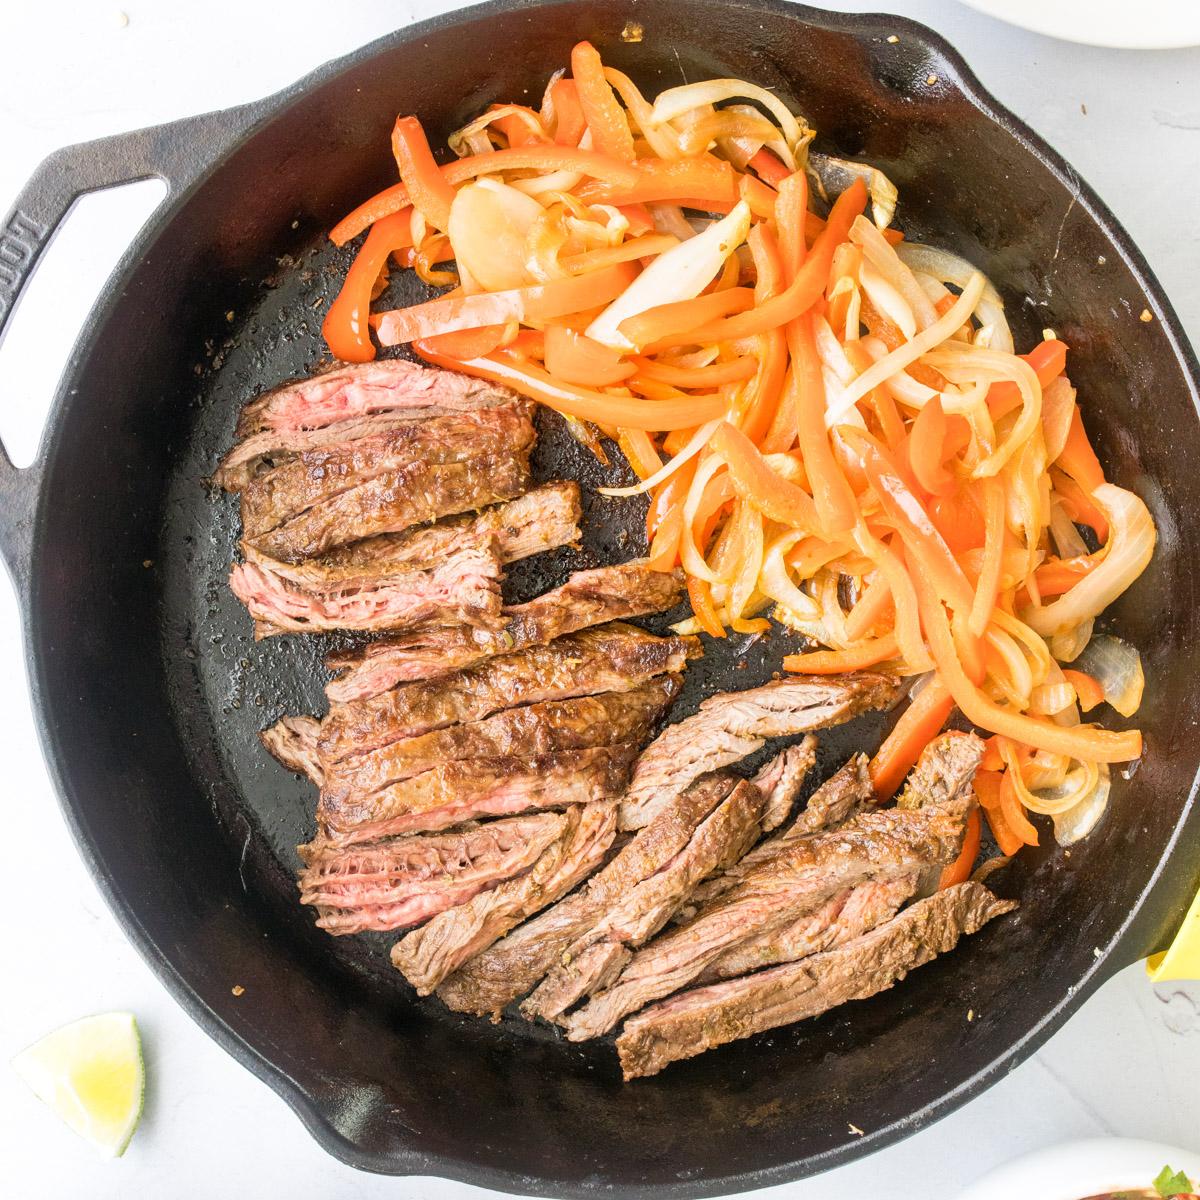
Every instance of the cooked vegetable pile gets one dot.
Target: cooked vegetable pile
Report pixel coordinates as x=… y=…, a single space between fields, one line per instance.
x=831 y=423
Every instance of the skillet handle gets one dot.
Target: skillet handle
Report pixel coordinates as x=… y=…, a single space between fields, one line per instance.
x=177 y=153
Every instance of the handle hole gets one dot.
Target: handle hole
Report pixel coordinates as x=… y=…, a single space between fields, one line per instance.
x=55 y=304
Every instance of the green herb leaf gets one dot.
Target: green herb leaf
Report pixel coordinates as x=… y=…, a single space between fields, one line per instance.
x=1171 y=1183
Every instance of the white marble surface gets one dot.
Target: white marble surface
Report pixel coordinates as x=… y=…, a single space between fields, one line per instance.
x=1129 y=1063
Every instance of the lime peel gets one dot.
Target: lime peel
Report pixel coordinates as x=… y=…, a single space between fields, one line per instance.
x=91 y=1074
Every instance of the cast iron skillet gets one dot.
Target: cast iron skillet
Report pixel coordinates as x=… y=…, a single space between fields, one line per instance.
x=150 y=689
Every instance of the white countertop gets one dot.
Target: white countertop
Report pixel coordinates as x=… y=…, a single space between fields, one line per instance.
x=1129 y=1062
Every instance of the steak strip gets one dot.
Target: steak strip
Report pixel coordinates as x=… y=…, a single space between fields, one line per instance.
x=429 y=954
x=413 y=495
x=293 y=741
x=843 y=917
x=404 y=881
x=320 y=475
x=386 y=385
x=587 y=598
x=492 y=980
x=689 y=1024
x=612 y=658
x=803 y=875
x=463 y=588
x=460 y=791
x=596 y=958
x=731 y=726
x=534 y=729
x=781 y=779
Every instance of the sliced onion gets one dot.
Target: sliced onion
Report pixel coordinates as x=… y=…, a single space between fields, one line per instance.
x=489 y=222
x=881 y=254
x=907 y=354
x=689 y=553
x=1117 y=667
x=902 y=387
x=949 y=268
x=463 y=141
x=552 y=181
x=1067 y=539
x=1130 y=546
x=664 y=141
x=744 y=583
x=680 y=273
x=1058 y=407
x=694 y=445
x=1070 y=644
x=776 y=583
x=837 y=174
x=1076 y=822
x=888 y=300
x=676 y=101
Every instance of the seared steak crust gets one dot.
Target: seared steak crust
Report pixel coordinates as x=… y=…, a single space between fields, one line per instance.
x=695 y=1021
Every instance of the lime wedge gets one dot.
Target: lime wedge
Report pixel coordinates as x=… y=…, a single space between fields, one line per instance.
x=91 y=1074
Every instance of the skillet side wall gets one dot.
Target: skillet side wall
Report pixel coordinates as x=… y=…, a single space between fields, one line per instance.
x=153 y=690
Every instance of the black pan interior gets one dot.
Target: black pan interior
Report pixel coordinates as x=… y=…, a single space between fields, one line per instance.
x=154 y=689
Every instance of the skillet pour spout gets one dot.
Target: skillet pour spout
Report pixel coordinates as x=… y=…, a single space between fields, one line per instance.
x=191 y=832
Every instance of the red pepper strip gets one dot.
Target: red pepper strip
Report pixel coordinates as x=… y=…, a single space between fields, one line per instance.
x=569 y=121
x=639 y=217
x=790 y=211
x=759 y=196
x=694 y=377
x=698 y=181
x=1074 y=741
x=1014 y=811
x=648 y=328
x=837 y=507
x=575 y=358
x=431 y=194
x=834 y=662
x=775 y=497
x=583 y=403
x=987 y=788
x=639 y=451
x=345 y=327
x=382 y=204
x=959 y=520
x=540 y=302
x=905 y=512
x=700 y=595
x=1078 y=459
x=875 y=601
x=919 y=724
x=469 y=343
x=663 y=554
x=1078 y=503
x=769 y=166
x=1089 y=692
x=763 y=395
x=668 y=497
x=605 y=117
x=1062 y=574
x=803 y=292
x=1048 y=360
x=959 y=871
x=929 y=446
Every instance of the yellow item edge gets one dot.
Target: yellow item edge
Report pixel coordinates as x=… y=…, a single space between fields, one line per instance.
x=1181 y=960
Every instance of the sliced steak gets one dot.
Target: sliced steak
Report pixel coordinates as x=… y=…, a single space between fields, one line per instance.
x=612 y=658
x=429 y=954
x=609 y=719
x=542 y=519
x=415 y=494
x=588 y=598
x=320 y=475
x=689 y=1024
x=293 y=741
x=843 y=917
x=872 y=845
x=718 y=841
x=404 y=881
x=461 y=589
x=386 y=385
x=781 y=779
x=733 y=725
x=468 y=789
x=494 y=979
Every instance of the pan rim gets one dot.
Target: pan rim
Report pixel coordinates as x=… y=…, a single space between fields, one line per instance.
x=417 y=1161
